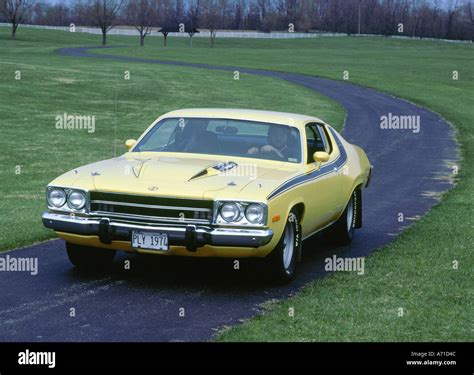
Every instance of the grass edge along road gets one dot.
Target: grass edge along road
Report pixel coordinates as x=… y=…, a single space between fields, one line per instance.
x=411 y=290
x=50 y=85
x=418 y=287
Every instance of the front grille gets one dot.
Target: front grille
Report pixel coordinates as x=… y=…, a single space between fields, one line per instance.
x=151 y=209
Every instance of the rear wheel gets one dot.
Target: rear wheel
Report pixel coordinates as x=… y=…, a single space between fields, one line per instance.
x=89 y=258
x=283 y=259
x=342 y=231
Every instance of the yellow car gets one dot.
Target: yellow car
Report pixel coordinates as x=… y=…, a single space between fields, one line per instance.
x=214 y=183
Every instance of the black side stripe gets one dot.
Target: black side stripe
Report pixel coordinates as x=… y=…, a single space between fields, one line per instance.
x=328 y=168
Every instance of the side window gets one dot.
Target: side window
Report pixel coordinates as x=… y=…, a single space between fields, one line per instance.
x=325 y=137
x=315 y=141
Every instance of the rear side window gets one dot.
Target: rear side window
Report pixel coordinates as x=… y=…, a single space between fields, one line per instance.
x=326 y=138
x=316 y=140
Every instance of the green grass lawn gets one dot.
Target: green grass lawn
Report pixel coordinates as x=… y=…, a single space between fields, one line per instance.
x=414 y=273
x=34 y=151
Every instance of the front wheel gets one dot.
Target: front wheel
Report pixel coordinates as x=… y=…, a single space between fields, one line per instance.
x=283 y=259
x=89 y=258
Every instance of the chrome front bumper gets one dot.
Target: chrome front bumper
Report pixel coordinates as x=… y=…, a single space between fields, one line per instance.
x=190 y=236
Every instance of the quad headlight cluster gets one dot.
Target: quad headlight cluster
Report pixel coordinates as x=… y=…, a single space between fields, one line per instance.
x=240 y=213
x=69 y=199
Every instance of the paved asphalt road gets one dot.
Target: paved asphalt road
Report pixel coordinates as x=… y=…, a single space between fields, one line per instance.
x=143 y=304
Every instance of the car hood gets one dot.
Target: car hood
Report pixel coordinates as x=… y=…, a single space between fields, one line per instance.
x=200 y=177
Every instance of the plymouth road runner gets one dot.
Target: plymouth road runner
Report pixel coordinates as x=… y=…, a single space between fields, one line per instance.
x=214 y=183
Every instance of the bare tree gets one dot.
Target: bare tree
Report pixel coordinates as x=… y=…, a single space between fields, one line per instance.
x=307 y=15
x=105 y=14
x=423 y=18
x=432 y=20
x=211 y=16
x=141 y=14
x=389 y=13
x=81 y=13
x=263 y=6
x=451 y=16
x=237 y=13
x=171 y=12
x=15 y=12
x=415 y=13
x=61 y=14
x=359 y=16
x=351 y=13
x=288 y=12
x=470 y=12
x=178 y=15
x=213 y=32
x=335 y=15
x=193 y=13
x=470 y=17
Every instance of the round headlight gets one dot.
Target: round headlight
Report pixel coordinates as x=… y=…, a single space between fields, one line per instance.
x=230 y=212
x=255 y=213
x=56 y=197
x=76 y=200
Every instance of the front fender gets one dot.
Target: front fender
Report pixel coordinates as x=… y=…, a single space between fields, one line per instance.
x=278 y=212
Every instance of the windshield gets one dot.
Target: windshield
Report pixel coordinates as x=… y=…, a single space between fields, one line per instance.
x=224 y=137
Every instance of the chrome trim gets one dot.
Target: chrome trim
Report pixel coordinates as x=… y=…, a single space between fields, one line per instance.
x=145 y=217
x=152 y=206
x=52 y=206
x=239 y=232
x=205 y=235
x=65 y=208
x=137 y=222
x=68 y=194
x=369 y=176
x=218 y=204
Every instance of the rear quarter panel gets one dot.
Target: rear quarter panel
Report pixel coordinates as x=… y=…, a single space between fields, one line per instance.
x=356 y=170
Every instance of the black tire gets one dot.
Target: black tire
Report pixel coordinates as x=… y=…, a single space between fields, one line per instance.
x=282 y=261
x=89 y=258
x=342 y=231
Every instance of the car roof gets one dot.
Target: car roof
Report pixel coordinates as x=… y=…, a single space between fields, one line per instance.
x=285 y=118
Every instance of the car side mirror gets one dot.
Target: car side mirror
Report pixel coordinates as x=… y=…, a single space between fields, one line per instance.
x=321 y=156
x=130 y=143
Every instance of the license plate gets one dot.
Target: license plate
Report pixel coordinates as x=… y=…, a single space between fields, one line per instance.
x=149 y=240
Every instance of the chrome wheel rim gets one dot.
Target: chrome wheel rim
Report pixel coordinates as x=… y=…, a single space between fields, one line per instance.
x=288 y=245
x=350 y=215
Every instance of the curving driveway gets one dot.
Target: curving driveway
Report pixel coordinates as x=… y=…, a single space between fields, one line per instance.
x=147 y=302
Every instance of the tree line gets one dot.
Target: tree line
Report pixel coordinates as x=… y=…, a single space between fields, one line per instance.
x=449 y=19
